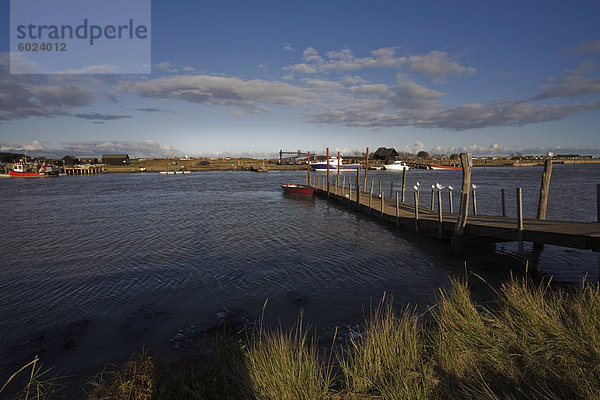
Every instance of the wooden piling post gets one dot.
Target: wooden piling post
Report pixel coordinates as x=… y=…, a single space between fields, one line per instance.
x=403 y=182
x=370 y=199
x=474 y=202
x=397 y=209
x=416 y=210
x=598 y=202
x=308 y=171
x=350 y=190
x=338 y=171
x=358 y=188
x=544 y=190
x=372 y=181
x=520 y=218
x=450 y=202
x=503 y=204
x=328 y=173
x=366 y=167
x=380 y=191
x=440 y=215
x=461 y=222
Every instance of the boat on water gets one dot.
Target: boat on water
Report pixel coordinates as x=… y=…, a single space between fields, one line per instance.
x=333 y=166
x=24 y=169
x=444 y=167
x=396 y=166
x=298 y=190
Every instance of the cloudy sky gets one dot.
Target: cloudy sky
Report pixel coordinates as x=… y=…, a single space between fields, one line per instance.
x=254 y=77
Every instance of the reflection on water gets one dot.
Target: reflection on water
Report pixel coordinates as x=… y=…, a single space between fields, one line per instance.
x=96 y=267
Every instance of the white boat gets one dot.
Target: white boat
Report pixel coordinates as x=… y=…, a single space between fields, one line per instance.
x=333 y=166
x=396 y=166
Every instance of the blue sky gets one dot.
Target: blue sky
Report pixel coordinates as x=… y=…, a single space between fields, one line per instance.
x=251 y=78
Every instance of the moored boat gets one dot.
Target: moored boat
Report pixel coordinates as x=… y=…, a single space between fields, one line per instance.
x=444 y=167
x=333 y=166
x=396 y=166
x=298 y=190
x=25 y=169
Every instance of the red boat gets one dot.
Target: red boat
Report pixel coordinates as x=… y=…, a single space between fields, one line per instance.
x=444 y=167
x=26 y=170
x=298 y=190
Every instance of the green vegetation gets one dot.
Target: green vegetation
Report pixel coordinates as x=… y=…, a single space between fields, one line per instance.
x=532 y=342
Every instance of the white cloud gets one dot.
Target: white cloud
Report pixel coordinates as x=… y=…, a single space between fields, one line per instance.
x=438 y=66
x=572 y=83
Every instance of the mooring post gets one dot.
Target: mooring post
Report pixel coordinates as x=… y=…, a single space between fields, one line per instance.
x=380 y=191
x=397 y=209
x=357 y=188
x=344 y=187
x=520 y=218
x=372 y=181
x=370 y=198
x=598 y=202
x=474 y=199
x=461 y=222
x=440 y=216
x=417 y=209
x=503 y=204
x=338 y=171
x=350 y=190
x=382 y=204
x=544 y=190
x=451 y=206
x=307 y=171
x=543 y=200
x=432 y=196
x=328 y=173
x=366 y=167
x=403 y=182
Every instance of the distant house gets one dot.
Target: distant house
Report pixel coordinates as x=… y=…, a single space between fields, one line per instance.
x=385 y=154
x=115 y=159
x=70 y=161
x=11 y=157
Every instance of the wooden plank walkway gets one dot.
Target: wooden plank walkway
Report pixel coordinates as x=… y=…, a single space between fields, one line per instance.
x=573 y=234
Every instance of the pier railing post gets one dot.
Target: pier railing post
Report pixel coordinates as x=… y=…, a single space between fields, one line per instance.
x=440 y=215
x=474 y=201
x=503 y=204
x=403 y=182
x=358 y=188
x=366 y=167
x=544 y=190
x=432 y=197
x=416 y=210
x=520 y=218
x=461 y=222
x=370 y=198
x=380 y=190
x=308 y=170
x=598 y=202
x=450 y=201
x=382 y=204
x=398 y=208
x=328 y=173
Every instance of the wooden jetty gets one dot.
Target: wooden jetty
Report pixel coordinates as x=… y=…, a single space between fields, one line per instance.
x=463 y=229
x=83 y=170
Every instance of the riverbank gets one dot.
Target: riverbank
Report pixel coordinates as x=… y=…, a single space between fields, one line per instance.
x=159 y=165
x=532 y=342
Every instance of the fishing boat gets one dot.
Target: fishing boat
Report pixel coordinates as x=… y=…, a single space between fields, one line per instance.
x=444 y=167
x=333 y=166
x=396 y=166
x=24 y=169
x=298 y=190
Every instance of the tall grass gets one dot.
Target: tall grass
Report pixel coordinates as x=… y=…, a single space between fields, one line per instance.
x=533 y=342
x=287 y=366
x=388 y=359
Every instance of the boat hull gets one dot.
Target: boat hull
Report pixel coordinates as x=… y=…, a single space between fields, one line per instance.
x=444 y=168
x=17 y=174
x=333 y=168
x=298 y=190
x=395 y=167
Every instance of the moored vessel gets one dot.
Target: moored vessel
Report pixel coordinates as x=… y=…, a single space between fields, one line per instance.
x=298 y=190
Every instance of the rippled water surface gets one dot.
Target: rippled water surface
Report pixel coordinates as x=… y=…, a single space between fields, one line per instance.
x=94 y=268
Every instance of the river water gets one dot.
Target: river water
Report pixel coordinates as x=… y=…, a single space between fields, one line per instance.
x=94 y=268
